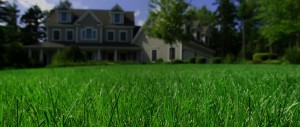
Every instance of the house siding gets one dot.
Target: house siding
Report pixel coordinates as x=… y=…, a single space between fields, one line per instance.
x=148 y=44
x=91 y=22
x=189 y=52
x=117 y=30
x=62 y=33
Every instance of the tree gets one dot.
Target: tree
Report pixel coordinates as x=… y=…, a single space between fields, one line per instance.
x=34 y=29
x=207 y=19
x=167 y=18
x=69 y=55
x=205 y=16
x=226 y=14
x=9 y=14
x=279 y=19
x=246 y=12
x=64 y=5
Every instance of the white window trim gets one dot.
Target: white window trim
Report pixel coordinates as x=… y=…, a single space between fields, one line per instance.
x=68 y=17
x=126 y=40
x=53 y=30
x=92 y=39
x=66 y=34
x=121 y=16
x=114 y=38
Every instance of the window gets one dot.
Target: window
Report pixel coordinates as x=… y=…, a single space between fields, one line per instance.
x=123 y=36
x=154 y=55
x=198 y=36
x=69 y=35
x=56 y=35
x=110 y=35
x=88 y=34
x=118 y=18
x=64 y=17
x=172 y=53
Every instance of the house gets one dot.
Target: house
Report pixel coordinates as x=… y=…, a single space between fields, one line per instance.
x=108 y=35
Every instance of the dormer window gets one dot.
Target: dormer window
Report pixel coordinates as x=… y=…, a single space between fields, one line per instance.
x=118 y=18
x=117 y=15
x=64 y=17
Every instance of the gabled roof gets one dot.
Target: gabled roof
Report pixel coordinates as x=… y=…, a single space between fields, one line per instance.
x=117 y=7
x=85 y=15
x=101 y=15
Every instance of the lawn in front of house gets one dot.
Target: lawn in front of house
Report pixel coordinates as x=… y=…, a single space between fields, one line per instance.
x=152 y=95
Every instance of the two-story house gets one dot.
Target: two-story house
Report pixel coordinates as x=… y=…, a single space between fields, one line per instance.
x=109 y=35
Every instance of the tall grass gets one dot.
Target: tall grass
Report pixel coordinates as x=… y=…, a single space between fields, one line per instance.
x=152 y=95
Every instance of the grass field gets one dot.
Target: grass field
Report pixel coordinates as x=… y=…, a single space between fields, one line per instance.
x=152 y=95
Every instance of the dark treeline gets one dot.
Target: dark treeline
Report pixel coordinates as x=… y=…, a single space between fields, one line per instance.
x=246 y=27
x=236 y=30
x=15 y=35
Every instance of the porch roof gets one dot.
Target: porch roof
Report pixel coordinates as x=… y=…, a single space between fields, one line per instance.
x=46 y=45
x=104 y=45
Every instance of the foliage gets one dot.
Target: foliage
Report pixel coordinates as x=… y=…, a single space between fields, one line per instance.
x=166 y=18
x=9 y=14
x=200 y=60
x=229 y=59
x=63 y=5
x=151 y=95
x=226 y=15
x=272 y=62
x=205 y=16
x=216 y=60
x=177 y=61
x=208 y=21
x=293 y=56
x=34 y=29
x=264 y=56
x=160 y=60
x=192 y=60
x=16 y=55
x=68 y=56
x=279 y=19
x=246 y=11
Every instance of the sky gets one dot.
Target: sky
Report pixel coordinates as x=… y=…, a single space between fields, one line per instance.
x=140 y=7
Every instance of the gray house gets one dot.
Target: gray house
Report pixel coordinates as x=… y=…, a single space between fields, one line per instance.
x=109 y=35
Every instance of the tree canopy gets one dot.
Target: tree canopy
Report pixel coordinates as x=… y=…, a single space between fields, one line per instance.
x=279 y=18
x=33 y=21
x=167 y=18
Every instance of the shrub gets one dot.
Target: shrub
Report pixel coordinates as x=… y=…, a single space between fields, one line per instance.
x=293 y=56
x=200 y=60
x=229 y=59
x=272 y=62
x=216 y=60
x=264 y=56
x=192 y=60
x=69 y=56
x=176 y=61
x=160 y=60
x=16 y=55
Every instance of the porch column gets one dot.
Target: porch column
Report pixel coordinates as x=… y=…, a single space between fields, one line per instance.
x=180 y=51
x=99 y=55
x=101 y=38
x=116 y=55
x=41 y=59
x=29 y=53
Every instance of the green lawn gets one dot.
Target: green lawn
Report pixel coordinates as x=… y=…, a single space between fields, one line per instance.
x=152 y=95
